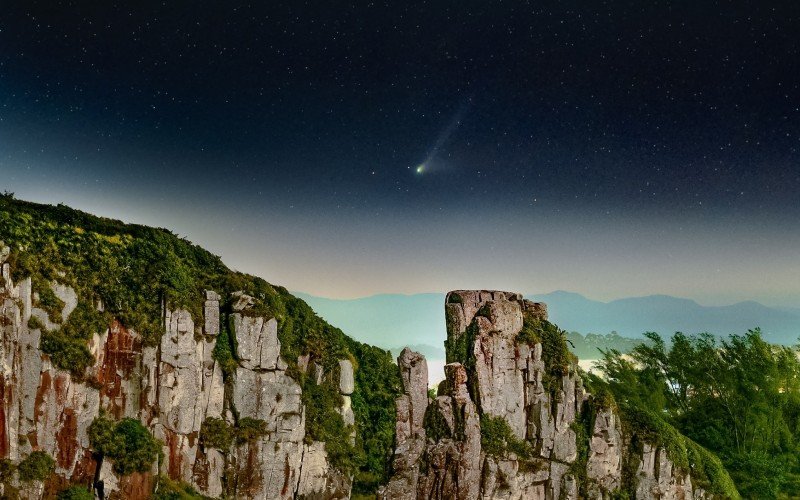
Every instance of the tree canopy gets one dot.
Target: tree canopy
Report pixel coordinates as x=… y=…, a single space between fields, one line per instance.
x=738 y=397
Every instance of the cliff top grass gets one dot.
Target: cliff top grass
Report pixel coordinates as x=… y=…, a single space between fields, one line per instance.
x=133 y=269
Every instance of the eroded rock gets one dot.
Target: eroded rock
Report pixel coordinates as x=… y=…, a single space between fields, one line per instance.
x=497 y=375
x=171 y=388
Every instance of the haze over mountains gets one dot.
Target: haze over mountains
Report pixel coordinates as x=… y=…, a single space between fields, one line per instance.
x=395 y=320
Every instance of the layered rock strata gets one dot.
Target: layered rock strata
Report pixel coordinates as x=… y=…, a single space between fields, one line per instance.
x=494 y=372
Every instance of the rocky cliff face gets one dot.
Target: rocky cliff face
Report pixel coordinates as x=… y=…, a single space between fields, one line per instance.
x=172 y=389
x=513 y=419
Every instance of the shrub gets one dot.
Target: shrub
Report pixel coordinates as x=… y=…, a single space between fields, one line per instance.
x=167 y=489
x=48 y=301
x=223 y=350
x=377 y=385
x=558 y=360
x=66 y=346
x=325 y=423
x=216 y=433
x=436 y=427
x=67 y=353
x=249 y=429
x=127 y=443
x=85 y=321
x=35 y=323
x=36 y=467
x=7 y=469
x=75 y=492
x=497 y=439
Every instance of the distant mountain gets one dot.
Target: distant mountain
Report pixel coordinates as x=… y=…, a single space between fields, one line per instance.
x=790 y=310
x=393 y=320
x=664 y=314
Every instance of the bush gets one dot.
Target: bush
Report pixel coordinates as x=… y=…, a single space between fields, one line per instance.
x=223 y=350
x=167 y=489
x=377 y=386
x=75 y=492
x=325 y=423
x=7 y=469
x=127 y=443
x=36 y=467
x=435 y=425
x=216 y=433
x=48 y=301
x=758 y=475
x=67 y=353
x=66 y=346
x=497 y=439
x=249 y=429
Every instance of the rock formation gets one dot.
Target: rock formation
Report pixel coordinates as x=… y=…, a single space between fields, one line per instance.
x=171 y=388
x=512 y=420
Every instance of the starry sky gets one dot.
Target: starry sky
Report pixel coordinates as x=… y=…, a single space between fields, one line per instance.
x=610 y=148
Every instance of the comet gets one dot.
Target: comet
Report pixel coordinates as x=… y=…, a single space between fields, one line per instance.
x=430 y=161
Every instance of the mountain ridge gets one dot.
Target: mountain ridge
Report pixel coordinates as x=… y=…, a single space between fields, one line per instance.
x=629 y=316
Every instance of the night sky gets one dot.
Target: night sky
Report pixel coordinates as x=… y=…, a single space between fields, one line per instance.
x=608 y=148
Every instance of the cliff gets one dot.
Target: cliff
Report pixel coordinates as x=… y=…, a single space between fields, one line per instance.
x=136 y=365
x=515 y=420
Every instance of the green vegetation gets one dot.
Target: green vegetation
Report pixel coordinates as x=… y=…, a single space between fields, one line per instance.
x=7 y=469
x=497 y=439
x=216 y=433
x=66 y=353
x=133 y=269
x=48 y=301
x=36 y=467
x=558 y=360
x=325 y=423
x=555 y=352
x=76 y=492
x=224 y=349
x=249 y=429
x=67 y=345
x=459 y=349
x=127 y=443
x=736 y=399
x=377 y=386
x=435 y=425
x=167 y=489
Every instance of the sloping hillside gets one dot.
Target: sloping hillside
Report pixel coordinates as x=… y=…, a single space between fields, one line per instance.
x=76 y=283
